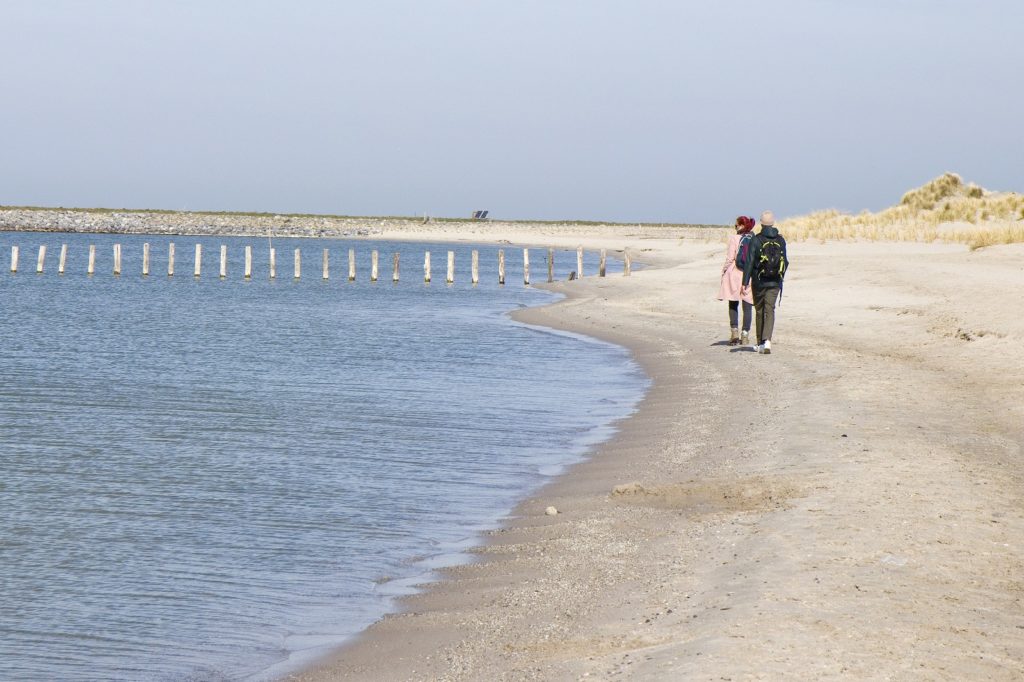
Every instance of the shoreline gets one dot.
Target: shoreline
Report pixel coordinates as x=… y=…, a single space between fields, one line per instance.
x=857 y=521
x=303 y=661
x=369 y=641
x=505 y=304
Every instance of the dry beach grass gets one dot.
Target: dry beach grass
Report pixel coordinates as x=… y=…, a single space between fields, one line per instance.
x=944 y=209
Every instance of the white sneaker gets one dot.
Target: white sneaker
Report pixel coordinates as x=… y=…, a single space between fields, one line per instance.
x=767 y=348
x=757 y=348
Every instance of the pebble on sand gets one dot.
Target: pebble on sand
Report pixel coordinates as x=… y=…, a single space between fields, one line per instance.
x=550 y=511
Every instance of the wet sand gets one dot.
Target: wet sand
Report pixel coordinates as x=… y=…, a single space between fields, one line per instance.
x=851 y=506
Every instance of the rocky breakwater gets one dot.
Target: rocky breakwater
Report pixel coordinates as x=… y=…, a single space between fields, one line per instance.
x=107 y=221
x=187 y=223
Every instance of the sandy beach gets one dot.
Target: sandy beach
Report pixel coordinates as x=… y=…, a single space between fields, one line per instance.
x=848 y=507
x=287 y=433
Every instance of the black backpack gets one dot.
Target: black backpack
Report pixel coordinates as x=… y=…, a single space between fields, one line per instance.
x=771 y=266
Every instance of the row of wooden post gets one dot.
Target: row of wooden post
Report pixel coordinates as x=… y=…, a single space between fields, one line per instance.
x=374 y=263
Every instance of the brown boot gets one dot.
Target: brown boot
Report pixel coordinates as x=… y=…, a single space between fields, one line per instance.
x=734 y=336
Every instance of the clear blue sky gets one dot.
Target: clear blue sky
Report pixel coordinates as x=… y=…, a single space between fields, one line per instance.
x=638 y=110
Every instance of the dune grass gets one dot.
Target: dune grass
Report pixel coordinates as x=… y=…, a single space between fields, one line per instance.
x=944 y=209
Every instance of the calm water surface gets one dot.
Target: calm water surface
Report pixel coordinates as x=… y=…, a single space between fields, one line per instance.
x=214 y=479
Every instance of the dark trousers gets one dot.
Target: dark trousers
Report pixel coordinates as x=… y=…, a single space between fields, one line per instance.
x=764 y=312
x=734 y=314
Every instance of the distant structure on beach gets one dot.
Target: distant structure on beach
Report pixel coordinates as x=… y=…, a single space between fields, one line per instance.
x=480 y=215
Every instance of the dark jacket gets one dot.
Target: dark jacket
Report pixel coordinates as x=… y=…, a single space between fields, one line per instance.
x=751 y=271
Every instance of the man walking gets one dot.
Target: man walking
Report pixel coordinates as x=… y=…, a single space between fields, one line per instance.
x=765 y=271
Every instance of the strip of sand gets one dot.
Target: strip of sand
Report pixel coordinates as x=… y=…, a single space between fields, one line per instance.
x=848 y=507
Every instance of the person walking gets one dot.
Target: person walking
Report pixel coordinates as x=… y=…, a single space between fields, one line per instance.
x=764 y=273
x=736 y=255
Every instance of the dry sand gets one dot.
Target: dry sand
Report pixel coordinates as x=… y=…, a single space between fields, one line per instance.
x=848 y=507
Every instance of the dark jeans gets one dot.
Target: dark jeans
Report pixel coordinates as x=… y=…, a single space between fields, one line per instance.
x=734 y=314
x=764 y=312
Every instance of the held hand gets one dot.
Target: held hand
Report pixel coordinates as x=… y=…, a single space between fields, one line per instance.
x=743 y=290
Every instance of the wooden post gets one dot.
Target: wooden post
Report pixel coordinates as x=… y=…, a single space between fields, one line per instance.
x=273 y=263
x=41 y=259
x=551 y=265
x=198 y=259
x=298 y=263
x=451 y=267
x=626 y=263
x=248 y=262
x=145 y=259
x=351 y=265
x=92 y=259
x=394 y=272
x=170 y=259
x=14 y=259
x=327 y=264
x=603 y=264
x=426 y=267
x=63 y=258
x=579 y=262
x=501 y=266
x=475 y=266
x=526 y=266
x=117 y=259
x=374 y=259
x=223 y=261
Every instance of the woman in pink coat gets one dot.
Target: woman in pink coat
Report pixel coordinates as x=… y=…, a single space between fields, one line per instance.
x=732 y=282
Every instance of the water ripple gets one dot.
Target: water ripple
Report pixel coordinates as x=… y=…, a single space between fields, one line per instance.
x=199 y=477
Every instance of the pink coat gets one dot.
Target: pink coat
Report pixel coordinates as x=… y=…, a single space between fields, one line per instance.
x=732 y=277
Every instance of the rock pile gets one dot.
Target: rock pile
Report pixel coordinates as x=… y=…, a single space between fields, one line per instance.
x=174 y=222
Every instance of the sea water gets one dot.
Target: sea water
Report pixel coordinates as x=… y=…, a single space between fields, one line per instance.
x=215 y=479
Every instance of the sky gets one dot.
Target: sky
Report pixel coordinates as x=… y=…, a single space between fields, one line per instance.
x=628 y=110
